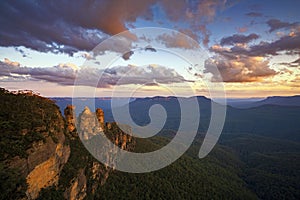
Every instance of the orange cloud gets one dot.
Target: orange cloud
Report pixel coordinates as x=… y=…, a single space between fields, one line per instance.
x=240 y=69
x=242 y=29
x=12 y=63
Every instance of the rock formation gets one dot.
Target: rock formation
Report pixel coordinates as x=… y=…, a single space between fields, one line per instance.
x=100 y=117
x=88 y=125
x=91 y=124
x=70 y=118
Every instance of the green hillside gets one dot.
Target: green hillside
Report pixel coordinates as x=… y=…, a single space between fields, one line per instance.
x=240 y=167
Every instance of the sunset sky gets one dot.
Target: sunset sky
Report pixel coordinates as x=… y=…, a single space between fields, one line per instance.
x=46 y=45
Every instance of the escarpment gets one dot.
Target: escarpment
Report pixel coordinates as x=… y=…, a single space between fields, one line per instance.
x=41 y=153
x=33 y=144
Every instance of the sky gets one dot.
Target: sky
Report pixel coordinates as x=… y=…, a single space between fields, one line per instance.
x=151 y=47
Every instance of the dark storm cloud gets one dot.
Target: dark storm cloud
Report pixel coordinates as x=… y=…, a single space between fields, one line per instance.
x=236 y=38
x=65 y=26
x=69 y=26
x=286 y=43
x=276 y=24
x=37 y=26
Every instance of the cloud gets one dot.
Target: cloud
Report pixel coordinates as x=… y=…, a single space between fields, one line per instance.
x=242 y=29
x=150 y=48
x=127 y=55
x=249 y=63
x=241 y=69
x=70 y=74
x=9 y=62
x=236 y=38
x=285 y=43
x=276 y=24
x=295 y=63
x=177 y=40
x=149 y=75
x=199 y=13
x=254 y=14
x=66 y=26
x=70 y=26
x=289 y=43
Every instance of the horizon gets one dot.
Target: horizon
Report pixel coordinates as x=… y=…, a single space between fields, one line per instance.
x=157 y=96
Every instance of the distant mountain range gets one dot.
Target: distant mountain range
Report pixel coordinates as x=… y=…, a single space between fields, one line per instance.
x=276 y=100
x=276 y=117
x=81 y=102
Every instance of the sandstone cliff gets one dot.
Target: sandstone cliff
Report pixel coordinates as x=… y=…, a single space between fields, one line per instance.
x=41 y=154
x=35 y=147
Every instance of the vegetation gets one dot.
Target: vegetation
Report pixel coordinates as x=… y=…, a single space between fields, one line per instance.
x=24 y=118
x=12 y=185
x=227 y=173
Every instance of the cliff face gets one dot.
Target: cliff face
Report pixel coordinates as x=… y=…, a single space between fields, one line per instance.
x=46 y=160
x=47 y=173
x=36 y=144
x=41 y=154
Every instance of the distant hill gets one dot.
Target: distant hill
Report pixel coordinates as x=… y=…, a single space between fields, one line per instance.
x=81 y=102
x=267 y=120
x=277 y=117
x=139 y=110
x=276 y=100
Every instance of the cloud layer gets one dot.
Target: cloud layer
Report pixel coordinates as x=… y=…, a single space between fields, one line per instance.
x=238 y=39
x=238 y=61
x=276 y=24
x=242 y=69
x=68 y=74
x=69 y=26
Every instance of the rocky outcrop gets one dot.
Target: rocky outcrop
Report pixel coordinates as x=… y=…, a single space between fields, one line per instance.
x=100 y=117
x=70 y=118
x=88 y=124
x=91 y=124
